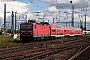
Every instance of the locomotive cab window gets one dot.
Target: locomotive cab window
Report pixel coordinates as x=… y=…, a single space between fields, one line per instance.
x=23 y=26
x=28 y=26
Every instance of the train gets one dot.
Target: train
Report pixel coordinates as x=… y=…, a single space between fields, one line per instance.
x=32 y=30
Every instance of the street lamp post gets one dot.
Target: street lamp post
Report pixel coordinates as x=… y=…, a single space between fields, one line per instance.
x=12 y=26
x=4 y=19
x=53 y=20
x=15 y=22
x=72 y=14
x=85 y=23
x=59 y=17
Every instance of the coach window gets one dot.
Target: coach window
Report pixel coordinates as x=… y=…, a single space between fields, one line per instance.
x=53 y=30
x=65 y=30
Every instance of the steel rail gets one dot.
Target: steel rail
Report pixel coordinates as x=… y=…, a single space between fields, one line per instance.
x=77 y=54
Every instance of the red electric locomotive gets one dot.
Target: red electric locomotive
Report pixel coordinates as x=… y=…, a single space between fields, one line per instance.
x=31 y=30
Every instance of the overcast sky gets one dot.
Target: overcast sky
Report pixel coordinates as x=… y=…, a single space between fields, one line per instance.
x=49 y=10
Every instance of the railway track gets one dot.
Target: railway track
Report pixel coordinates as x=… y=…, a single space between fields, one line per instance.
x=21 y=47
x=27 y=52
x=80 y=55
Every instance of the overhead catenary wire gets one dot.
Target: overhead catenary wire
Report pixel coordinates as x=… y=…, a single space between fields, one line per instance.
x=8 y=4
x=13 y=5
x=51 y=3
x=36 y=5
x=84 y=9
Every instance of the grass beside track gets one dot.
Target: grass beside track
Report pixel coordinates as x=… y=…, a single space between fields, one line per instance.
x=8 y=40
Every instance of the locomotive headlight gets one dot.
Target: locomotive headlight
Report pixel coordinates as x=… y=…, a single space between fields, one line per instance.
x=31 y=33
